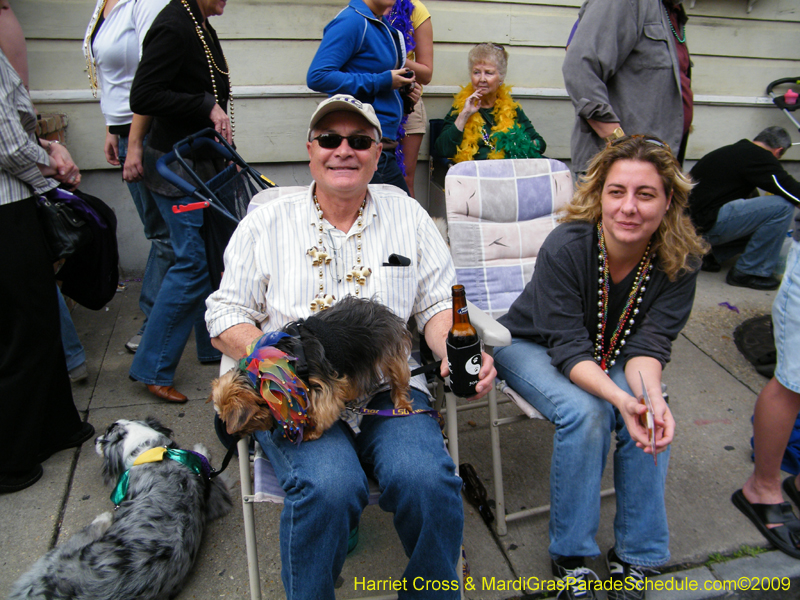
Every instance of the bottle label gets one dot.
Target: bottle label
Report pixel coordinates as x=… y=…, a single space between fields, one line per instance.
x=463 y=310
x=465 y=365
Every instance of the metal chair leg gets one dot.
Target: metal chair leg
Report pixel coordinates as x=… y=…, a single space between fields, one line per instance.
x=497 y=466
x=246 y=482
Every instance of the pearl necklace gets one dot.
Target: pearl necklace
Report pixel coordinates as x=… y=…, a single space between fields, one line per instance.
x=212 y=64
x=320 y=257
x=671 y=26
x=607 y=358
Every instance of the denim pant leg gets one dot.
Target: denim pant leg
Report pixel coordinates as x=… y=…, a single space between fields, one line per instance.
x=73 y=349
x=765 y=220
x=326 y=491
x=420 y=487
x=786 y=322
x=580 y=445
x=161 y=256
x=389 y=171
x=641 y=529
x=179 y=302
x=206 y=353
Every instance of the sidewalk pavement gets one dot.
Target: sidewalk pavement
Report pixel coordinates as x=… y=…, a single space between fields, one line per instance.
x=712 y=391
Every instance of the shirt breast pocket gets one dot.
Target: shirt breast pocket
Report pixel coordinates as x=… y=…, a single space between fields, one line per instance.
x=396 y=288
x=652 y=51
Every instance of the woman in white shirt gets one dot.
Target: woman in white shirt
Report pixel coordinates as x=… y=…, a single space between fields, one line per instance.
x=112 y=47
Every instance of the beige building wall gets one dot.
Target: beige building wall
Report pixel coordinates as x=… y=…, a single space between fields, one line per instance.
x=269 y=45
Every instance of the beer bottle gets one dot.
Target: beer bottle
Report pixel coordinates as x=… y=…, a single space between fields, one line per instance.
x=463 y=348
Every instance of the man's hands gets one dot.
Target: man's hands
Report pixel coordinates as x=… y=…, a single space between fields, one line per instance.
x=61 y=168
x=487 y=376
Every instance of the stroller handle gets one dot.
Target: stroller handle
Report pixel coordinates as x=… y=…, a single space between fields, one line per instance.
x=795 y=80
x=205 y=139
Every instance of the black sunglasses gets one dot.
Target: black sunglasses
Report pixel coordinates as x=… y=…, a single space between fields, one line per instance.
x=331 y=141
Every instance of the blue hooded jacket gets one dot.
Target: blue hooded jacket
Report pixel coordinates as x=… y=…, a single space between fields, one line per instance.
x=355 y=57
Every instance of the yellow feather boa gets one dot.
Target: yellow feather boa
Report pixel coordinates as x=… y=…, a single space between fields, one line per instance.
x=505 y=116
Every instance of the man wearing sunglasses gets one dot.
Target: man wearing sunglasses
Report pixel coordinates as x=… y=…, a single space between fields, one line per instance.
x=294 y=256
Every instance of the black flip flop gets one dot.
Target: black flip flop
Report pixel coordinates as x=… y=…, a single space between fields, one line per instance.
x=791 y=490
x=785 y=537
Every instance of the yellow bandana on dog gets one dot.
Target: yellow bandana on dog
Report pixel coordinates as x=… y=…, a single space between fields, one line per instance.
x=196 y=462
x=152 y=455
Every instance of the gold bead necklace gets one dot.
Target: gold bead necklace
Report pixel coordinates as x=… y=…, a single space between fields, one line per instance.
x=212 y=64
x=320 y=257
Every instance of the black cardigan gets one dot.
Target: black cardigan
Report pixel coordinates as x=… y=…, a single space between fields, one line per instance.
x=558 y=307
x=172 y=82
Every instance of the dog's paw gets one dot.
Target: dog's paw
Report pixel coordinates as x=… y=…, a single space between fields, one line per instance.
x=201 y=449
x=101 y=523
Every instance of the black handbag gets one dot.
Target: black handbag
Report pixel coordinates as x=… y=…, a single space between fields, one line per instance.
x=65 y=230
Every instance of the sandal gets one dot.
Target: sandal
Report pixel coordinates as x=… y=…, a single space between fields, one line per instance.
x=785 y=537
x=791 y=490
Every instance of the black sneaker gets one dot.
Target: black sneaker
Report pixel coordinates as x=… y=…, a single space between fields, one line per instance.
x=631 y=584
x=754 y=282
x=573 y=572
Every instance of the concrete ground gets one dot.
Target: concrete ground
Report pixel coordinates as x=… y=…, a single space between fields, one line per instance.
x=712 y=390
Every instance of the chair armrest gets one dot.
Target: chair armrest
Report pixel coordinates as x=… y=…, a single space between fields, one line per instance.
x=492 y=333
x=226 y=363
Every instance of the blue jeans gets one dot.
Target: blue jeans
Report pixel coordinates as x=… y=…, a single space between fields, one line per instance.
x=73 y=349
x=584 y=424
x=786 y=322
x=161 y=255
x=326 y=490
x=765 y=220
x=180 y=303
x=389 y=171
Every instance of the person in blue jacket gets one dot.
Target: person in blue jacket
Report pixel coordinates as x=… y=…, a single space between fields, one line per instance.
x=363 y=56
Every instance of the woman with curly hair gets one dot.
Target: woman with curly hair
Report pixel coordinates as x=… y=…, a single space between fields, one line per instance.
x=613 y=286
x=485 y=122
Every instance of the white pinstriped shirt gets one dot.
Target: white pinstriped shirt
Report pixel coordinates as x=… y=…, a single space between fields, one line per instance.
x=19 y=148
x=269 y=280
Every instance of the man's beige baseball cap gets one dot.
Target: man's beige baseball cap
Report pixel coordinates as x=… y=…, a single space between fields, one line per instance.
x=348 y=103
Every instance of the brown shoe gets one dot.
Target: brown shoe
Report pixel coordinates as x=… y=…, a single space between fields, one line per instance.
x=167 y=392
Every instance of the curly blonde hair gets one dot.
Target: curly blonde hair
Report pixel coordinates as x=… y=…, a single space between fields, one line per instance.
x=676 y=243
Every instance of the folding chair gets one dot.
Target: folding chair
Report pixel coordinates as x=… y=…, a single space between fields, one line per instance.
x=263 y=486
x=499 y=213
x=437 y=168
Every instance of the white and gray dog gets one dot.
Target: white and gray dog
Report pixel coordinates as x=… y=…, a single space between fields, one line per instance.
x=147 y=547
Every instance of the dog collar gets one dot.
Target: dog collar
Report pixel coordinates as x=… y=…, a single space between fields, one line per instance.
x=196 y=462
x=273 y=375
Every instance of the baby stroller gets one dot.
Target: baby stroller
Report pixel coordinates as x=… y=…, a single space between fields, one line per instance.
x=227 y=193
x=784 y=101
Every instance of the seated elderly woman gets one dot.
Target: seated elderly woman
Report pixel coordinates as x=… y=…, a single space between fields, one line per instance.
x=485 y=122
x=613 y=286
